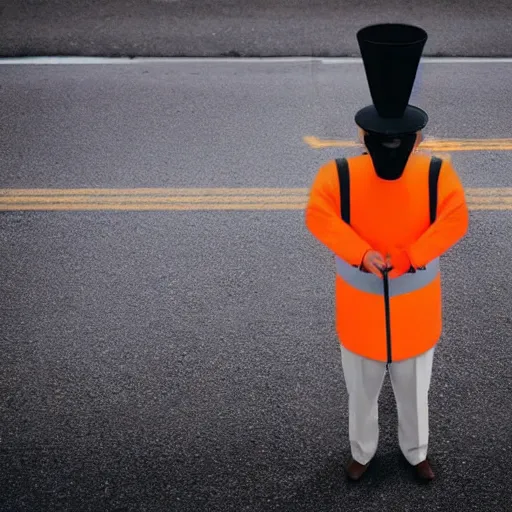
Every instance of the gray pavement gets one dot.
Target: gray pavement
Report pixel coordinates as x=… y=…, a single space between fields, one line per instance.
x=247 y=28
x=185 y=361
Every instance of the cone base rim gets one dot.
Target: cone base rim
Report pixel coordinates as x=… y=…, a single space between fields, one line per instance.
x=413 y=120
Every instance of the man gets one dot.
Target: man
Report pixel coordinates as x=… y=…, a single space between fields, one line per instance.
x=388 y=215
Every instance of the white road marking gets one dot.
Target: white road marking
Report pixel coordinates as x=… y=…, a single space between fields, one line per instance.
x=233 y=60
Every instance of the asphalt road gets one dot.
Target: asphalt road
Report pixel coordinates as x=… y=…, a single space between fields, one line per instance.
x=187 y=361
x=246 y=28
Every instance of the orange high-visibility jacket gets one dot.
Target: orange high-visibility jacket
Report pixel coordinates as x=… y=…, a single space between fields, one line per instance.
x=386 y=214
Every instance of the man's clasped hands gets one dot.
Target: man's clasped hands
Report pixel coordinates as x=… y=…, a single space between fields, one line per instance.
x=396 y=261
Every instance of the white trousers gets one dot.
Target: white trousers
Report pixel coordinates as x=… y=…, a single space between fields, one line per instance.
x=411 y=382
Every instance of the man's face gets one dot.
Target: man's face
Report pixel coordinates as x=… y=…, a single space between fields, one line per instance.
x=419 y=138
x=390 y=154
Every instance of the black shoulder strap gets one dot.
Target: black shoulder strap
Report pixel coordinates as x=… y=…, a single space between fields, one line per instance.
x=344 y=181
x=433 y=177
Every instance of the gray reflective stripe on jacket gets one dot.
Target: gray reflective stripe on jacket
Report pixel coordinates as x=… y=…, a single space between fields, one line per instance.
x=370 y=283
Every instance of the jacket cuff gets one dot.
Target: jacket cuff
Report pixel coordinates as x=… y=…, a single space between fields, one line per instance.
x=414 y=264
x=361 y=264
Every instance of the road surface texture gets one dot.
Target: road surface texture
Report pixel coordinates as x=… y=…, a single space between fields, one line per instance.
x=187 y=360
x=246 y=28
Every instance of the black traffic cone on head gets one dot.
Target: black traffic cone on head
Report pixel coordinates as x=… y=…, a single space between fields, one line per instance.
x=391 y=54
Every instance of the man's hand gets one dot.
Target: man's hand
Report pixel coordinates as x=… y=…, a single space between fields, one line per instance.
x=399 y=260
x=374 y=262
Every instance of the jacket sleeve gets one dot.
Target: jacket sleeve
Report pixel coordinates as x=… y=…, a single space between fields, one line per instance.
x=324 y=221
x=450 y=225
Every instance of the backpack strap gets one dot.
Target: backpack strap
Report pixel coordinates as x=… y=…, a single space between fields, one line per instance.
x=433 y=177
x=344 y=182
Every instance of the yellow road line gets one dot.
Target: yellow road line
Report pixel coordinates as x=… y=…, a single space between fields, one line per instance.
x=196 y=207
x=489 y=200
x=7 y=192
x=154 y=207
x=138 y=199
x=189 y=194
x=197 y=199
x=496 y=206
x=430 y=144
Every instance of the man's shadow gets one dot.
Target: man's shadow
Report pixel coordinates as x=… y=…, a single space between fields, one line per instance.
x=330 y=486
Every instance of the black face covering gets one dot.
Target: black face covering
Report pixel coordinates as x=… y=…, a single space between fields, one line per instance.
x=389 y=153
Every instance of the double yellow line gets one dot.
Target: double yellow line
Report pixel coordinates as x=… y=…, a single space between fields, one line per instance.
x=489 y=198
x=155 y=199
x=187 y=199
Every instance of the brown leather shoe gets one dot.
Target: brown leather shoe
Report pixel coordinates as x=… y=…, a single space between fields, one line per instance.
x=424 y=471
x=355 y=470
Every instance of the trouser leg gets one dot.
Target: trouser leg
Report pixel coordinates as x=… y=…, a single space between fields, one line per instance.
x=411 y=382
x=363 y=378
